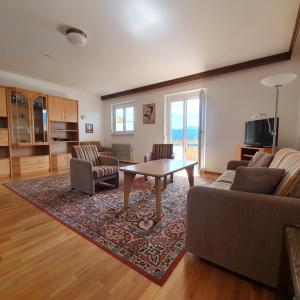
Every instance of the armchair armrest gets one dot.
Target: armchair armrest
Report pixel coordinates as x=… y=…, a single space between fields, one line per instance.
x=81 y=172
x=148 y=157
x=109 y=161
x=241 y=231
x=234 y=164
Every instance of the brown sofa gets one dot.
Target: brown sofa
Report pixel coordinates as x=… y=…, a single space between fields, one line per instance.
x=244 y=232
x=106 y=151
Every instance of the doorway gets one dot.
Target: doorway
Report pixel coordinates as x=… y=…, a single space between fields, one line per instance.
x=185 y=125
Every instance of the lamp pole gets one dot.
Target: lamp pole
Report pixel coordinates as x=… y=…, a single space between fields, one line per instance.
x=275 y=120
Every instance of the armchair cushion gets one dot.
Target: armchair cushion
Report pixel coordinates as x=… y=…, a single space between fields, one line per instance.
x=103 y=171
x=261 y=159
x=257 y=180
x=227 y=176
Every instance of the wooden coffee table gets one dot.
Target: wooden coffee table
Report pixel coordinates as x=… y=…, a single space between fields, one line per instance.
x=158 y=169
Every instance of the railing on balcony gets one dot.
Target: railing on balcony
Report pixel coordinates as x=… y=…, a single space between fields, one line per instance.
x=191 y=151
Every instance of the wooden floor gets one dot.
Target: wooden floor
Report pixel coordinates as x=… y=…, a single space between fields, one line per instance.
x=42 y=259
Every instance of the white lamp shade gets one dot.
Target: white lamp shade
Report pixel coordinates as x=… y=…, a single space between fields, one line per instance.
x=278 y=80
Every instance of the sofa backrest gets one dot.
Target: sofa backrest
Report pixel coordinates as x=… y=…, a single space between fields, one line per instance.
x=160 y=151
x=87 y=152
x=289 y=160
x=95 y=143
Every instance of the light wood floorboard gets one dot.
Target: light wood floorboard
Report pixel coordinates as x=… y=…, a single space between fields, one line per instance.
x=42 y=259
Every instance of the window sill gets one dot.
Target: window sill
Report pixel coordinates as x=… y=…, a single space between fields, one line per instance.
x=122 y=133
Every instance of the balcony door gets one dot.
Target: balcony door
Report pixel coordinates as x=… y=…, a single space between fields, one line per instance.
x=186 y=124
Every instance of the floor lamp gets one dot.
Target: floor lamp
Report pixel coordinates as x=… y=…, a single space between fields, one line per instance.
x=276 y=81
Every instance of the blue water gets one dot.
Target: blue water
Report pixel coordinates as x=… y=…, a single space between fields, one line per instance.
x=192 y=134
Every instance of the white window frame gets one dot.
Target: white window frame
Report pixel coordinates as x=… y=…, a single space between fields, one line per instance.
x=123 y=106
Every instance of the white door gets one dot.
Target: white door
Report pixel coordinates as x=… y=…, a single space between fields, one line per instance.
x=186 y=124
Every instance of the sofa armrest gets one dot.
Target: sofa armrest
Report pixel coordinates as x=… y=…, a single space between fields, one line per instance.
x=234 y=164
x=148 y=157
x=81 y=172
x=243 y=232
x=109 y=161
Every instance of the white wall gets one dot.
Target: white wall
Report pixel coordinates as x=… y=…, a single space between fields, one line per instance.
x=232 y=99
x=89 y=104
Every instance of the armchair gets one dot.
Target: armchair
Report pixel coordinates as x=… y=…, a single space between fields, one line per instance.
x=87 y=168
x=160 y=151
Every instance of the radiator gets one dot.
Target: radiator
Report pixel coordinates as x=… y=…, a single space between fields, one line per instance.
x=122 y=151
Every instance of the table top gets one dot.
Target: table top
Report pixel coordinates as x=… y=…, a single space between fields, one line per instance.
x=293 y=246
x=159 y=168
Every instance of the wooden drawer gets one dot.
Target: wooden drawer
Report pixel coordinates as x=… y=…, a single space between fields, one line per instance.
x=60 y=161
x=3 y=137
x=30 y=164
x=4 y=167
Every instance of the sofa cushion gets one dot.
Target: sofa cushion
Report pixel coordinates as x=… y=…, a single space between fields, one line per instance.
x=103 y=171
x=261 y=159
x=221 y=185
x=257 y=180
x=280 y=157
x=227 y=176
x=288 y=159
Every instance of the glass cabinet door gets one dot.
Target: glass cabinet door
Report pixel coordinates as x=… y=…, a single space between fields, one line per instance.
x=40 y=129
x=20 y=118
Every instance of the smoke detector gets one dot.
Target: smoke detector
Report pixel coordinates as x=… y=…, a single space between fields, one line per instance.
x=76 y=37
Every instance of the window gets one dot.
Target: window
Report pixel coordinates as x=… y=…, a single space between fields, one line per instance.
x=123 y=118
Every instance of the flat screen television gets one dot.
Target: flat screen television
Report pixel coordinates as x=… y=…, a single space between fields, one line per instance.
x=257 y=133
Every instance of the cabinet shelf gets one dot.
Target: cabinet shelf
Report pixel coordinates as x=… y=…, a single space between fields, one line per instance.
x=66 y=130
x=30 y=145
x=64 y=142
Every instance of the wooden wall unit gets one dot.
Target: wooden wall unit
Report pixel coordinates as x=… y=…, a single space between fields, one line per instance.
x=26 y=141
x=246 y=152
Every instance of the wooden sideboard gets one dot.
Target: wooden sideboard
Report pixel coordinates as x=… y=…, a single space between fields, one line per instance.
x=246 y=152
x=292 y=238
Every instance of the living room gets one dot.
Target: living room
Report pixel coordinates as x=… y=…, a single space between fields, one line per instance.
x=139 y=154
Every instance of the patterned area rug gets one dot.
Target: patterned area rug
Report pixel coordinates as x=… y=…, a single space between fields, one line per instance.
x=131 y=235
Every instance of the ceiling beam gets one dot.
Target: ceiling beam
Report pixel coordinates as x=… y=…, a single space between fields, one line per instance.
x=206 y=74
x=218 y=71
x=295 y=33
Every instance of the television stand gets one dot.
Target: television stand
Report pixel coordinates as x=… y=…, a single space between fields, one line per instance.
x=247 y=152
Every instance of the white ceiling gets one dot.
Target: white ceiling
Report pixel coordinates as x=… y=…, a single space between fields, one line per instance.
x=133 y=43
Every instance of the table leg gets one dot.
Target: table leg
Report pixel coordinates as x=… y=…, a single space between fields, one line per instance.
x=128 y=181
x=165 y=181
x=158 y=184
x=190 y=173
